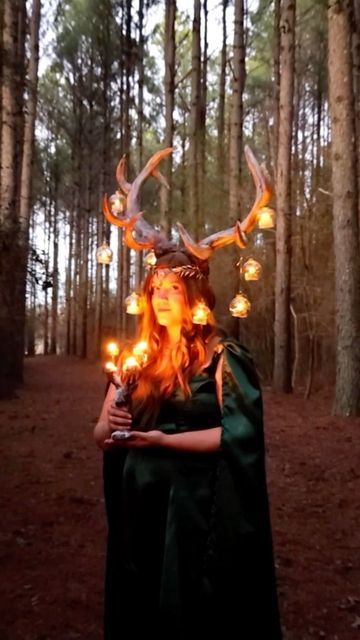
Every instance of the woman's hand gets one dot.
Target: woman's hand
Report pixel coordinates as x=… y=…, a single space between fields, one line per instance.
x=138 y=440
x=119 y=418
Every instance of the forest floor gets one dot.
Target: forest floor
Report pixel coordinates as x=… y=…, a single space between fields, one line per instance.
x=53 y=529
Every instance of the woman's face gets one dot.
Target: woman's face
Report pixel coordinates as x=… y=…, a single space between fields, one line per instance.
x=168 y=298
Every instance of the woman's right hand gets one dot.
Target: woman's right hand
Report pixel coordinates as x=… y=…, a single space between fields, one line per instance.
x=112 y=418
x=119 y=418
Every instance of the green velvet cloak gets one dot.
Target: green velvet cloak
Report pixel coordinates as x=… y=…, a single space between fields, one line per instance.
x=189 y=548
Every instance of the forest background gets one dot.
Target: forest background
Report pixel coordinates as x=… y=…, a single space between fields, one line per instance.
x=124 y=77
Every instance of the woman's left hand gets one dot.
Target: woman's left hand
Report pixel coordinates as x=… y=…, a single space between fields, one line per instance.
x=138 y=439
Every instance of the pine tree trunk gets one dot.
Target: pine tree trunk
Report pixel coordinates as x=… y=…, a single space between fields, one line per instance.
x=170 y=51
x=282 y=346
x=345 y=218
x=236 y=115
x=140 y=124
x=194 y=122
x=55 y=271
x=221 y=107
x=12 y=284
x=276 y=67
x=68 y=285
x=229 y=259
x=28 y=149
x=355 y=26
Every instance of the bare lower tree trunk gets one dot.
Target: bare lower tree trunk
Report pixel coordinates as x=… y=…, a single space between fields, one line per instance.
x=282 y=347
x=12 y=283
x=236 y=115
x=276 y=67
x=68 y=285
x=28 y=149
x=170 y=51
x=55 y=287
x=221 y=107
x=235 y=149
x=194 y=122
x=355 y=27
x=345 y=214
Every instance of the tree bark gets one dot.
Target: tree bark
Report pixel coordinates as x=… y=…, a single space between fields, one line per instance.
x=194 y=121
x=345 y=218
x=170 y=55
x=221 y=106
x=282 y=346
x=236 y=115
x=12 y=284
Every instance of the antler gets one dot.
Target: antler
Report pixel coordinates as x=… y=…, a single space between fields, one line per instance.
x=237 y=233
x=147 y=237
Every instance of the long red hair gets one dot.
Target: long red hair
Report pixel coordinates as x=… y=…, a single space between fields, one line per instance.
x=167 y=369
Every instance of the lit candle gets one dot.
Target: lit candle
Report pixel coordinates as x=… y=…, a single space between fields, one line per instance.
x=109 y=367
x=140 y=351
x=130 y=365
x=113 y=349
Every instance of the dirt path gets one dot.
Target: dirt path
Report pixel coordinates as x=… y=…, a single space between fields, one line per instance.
x=53 y=529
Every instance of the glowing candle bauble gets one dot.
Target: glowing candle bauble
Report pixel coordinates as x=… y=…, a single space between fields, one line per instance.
x=251 y=269
x=266 y=218
x=104 y=255
x=117 y=203
x=240 y=306
x=150 y=260
x=134 y=304
x=200 y=313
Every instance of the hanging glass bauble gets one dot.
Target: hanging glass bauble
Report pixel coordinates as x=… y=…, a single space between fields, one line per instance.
x=251 y=269
x=240 y=306
x=117 y=203
x=150 y=259
x=134 y=304
x=104 y=255
x=200 y=313
x=266 y=218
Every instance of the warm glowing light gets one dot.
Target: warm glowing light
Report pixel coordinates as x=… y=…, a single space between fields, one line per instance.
x=134 y=304
x=251 y=269
x=266 y=217
x=150 y=260
x=130 y=364
x=104 y=255
x=110 y=367
x=117 y=203
x=140 y=351
x=200 y=313
x=240 y=306
x=113 y=349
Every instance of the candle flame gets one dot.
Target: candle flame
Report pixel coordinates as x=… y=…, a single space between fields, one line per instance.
x=113 y=348
x=130 y=363
x=110 y=367
x=140 y=351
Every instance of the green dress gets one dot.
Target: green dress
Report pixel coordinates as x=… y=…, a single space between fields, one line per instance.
x=189 y=547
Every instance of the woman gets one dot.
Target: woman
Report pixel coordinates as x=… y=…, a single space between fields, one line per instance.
x=189 y=543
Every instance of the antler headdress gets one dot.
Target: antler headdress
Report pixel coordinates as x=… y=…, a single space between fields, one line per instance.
x=140 y=235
